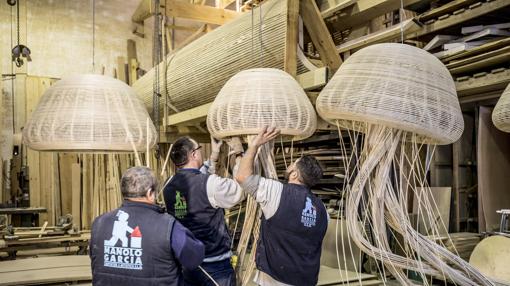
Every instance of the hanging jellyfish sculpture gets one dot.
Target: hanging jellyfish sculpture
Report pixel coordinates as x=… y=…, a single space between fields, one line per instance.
x=250 y=100
x=403 y=100
x=501 y=113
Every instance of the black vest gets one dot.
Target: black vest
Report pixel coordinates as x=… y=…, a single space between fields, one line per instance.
x=186 y=199
x=289 y=247
x=132 y=246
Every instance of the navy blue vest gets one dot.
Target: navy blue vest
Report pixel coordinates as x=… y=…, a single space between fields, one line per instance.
x=289 y=247
x=186 y=199
x=132 y=246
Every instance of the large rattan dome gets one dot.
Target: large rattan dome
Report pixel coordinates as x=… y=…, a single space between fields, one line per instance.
x=398 y=86
x=89 y=113
x=501 y=113
x=261 y=97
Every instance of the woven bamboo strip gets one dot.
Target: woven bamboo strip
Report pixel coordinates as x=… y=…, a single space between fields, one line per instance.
x=261 y=97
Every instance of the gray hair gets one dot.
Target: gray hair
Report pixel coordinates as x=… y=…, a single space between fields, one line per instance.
x=136 y=181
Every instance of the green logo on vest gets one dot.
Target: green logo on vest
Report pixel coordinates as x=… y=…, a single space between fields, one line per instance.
x=181 y=209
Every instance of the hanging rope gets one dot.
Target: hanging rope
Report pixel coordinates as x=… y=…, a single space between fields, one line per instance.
x=260 y=36
x=93 y=36
x=156 y=59
x=401 y=15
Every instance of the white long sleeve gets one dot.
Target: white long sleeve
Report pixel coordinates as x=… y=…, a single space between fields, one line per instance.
x=223 y=192
x=266 y=192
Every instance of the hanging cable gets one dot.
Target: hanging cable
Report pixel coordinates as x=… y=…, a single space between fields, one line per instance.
x=252 y=52
x=93 y=36
x=156 y=59
x=17 y=17
x=260 y=36
x=401 y=14
x=12 y=78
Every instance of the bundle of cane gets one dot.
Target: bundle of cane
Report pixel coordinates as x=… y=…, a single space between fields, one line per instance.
x=395 y=101
x=249 y=101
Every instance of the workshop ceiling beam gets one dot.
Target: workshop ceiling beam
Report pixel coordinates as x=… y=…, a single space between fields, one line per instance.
x=144 y=10
x=319 y=34
x=206 y=14
x=185 y=10
x=224 y=3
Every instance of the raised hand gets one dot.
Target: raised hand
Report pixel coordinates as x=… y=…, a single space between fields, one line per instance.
x=265 y=135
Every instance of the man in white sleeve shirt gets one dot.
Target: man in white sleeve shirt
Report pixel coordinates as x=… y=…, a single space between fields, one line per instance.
x=294 y=220
x=196 y=199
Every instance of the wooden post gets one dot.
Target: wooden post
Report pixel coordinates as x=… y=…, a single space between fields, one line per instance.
x=291 y=37
x=131 y=57
x=133 y=66
x=319 y=34
x=76 y=194
x=456 y=186
x=121 y=69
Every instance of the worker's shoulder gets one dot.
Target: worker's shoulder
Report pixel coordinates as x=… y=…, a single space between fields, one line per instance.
x=104 y=216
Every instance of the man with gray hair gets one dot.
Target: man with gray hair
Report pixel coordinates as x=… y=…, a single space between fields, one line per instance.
x=139 y=243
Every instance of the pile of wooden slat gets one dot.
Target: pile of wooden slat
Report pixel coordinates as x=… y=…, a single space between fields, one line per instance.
x=478 y=49
x=80 y=239
x=326 y=150
x=46 y=270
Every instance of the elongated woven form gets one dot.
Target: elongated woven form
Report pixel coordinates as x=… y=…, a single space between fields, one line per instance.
x=196 y=73
x=398 y=86
x=89 y=113
x=261 y=97
x=501 y=113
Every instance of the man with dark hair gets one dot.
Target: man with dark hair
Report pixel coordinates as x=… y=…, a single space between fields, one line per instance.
x=138 y=243
x=197 y=197
x=294 y=220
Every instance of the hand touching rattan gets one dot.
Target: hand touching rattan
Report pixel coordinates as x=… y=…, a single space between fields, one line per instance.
x=265 y=135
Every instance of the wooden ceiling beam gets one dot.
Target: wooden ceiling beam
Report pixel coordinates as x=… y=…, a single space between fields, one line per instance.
x=206 y=14
x=319 y=34
x=144 y=10
x=186 y=10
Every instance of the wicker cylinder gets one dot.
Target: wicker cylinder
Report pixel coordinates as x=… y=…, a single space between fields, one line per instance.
x=398 y=86
x=89 y=113
x=261 y=97
x=501 y=113
x=195 y=74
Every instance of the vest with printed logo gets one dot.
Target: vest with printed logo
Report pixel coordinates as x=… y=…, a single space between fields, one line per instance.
x=132 y=246
x=186 y=199
x=289 y=247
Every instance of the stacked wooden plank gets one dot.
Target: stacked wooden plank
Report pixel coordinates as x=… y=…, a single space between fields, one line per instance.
x=476 y=50
x=325 y=148
x=37 y=243
x=478 y=59
x=46 y=270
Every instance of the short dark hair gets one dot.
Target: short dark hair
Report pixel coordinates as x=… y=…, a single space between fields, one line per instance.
x=180 y=150
x=136 y=181
x=310 y=171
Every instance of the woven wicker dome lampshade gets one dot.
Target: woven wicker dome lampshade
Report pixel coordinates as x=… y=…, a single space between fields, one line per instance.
x=501 y=113
x=89 y=113
x=398 y=86
x=260 y=97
